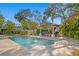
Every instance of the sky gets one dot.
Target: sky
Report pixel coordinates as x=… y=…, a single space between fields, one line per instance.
x=8 y=10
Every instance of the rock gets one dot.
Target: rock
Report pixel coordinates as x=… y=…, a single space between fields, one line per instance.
x=62 y=52
x=61 y=43
x=52 y=35
x=45 y=54
x=61 y=37
x=39 y=47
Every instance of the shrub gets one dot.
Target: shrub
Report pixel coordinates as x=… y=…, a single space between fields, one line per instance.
x=70 y=27
x=43 y=30
x=75 y=52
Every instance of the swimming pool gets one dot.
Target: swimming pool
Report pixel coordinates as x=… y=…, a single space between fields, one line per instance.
x=25 y=41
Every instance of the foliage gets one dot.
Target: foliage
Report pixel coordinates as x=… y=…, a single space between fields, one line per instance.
x=56 y=10
x=71 y=26
x=10 y=27
x=31 y=25
x=75 y=52
x=28 y=25
x=43 y=25
x=37 y=17
x=43 y=31
x=23 y=14
x=72 y=6
x=30 y=20
x=24 y=24
x=1 y=22
x=23 y=33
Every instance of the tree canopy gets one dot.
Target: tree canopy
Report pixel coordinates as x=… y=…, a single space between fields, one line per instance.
x=23 y=14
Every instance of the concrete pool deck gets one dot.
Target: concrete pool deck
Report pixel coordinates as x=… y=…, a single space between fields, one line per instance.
x=60 y=48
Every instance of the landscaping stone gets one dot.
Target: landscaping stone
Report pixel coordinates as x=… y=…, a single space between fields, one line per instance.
x=62 y=52
x=61 y=43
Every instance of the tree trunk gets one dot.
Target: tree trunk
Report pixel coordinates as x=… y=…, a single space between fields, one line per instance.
x=40 y=31
x=52 y=27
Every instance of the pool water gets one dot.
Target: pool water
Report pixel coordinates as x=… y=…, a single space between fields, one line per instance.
x=25 y=41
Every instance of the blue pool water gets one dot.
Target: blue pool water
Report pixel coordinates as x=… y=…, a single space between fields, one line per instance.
x=25 y=41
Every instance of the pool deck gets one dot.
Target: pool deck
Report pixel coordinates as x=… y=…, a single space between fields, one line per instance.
x=62 y=47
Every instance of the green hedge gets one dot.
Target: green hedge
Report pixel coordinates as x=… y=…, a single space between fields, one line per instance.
x=43 y=31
